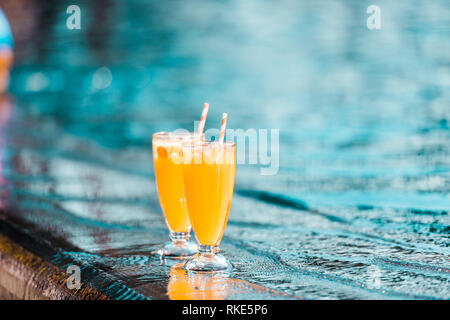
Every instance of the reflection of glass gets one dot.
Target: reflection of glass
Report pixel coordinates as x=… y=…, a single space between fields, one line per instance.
x=184 y=285
x=169 y=183
x=208 y=173
x=196 y=286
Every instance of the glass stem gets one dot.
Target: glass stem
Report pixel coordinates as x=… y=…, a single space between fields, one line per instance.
x=179 y=238
x=208 y=250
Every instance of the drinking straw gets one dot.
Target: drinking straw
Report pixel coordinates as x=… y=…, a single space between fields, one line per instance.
x=201 y=125
x=223 y=125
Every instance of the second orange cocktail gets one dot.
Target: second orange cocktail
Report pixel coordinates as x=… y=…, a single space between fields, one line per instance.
x=208 y=174
x=169 y=183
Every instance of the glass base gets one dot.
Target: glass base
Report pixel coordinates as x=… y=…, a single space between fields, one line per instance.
x=179 y=248
x=207 y=260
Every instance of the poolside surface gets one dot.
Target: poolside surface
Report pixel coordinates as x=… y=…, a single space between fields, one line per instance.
x=359 y=208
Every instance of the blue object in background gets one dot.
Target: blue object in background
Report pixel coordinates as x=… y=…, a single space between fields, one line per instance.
x=6 y=39
x=6 y=52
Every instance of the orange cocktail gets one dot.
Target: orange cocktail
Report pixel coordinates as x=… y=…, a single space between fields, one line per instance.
x=167 y=160
x=208 y=173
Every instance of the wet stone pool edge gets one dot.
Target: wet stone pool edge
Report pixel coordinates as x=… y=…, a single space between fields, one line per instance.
x=36 y=267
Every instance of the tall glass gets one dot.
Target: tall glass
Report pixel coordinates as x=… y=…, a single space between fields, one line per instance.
x=208 y=173
x=167 y=160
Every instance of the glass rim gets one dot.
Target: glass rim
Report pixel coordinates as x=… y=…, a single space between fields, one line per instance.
x=209 y=144
x=173 y=135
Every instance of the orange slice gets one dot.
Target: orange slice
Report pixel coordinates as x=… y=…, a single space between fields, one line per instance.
x=162 y=152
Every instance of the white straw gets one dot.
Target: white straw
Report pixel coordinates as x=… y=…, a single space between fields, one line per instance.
x=201 y=125
x=223 y=126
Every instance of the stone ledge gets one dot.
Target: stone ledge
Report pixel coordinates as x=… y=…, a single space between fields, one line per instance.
x=26 y=276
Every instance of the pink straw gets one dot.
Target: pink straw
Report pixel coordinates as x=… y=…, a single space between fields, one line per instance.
x=223 y=125
x=201 y=125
